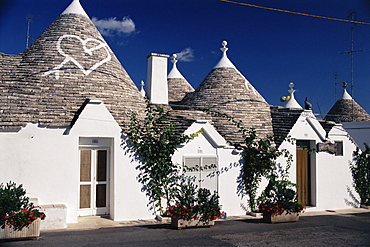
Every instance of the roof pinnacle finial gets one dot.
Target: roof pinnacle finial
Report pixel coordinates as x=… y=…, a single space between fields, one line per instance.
x=224 y=48
x=291 y=85
x=173 y=59
x=345 y=93
x=292 y=103
x=174 y=73
x=224 y=61
x=142 y=91
x=75 y=8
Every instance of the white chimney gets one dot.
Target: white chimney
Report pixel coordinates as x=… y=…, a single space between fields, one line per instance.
x=156 y=82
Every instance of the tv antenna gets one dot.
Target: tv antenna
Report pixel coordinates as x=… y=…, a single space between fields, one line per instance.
x=351 y=53
x=352 y=50
x=28 y=28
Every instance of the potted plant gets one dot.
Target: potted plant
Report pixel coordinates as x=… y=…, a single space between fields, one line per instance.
x=194 y=207
x=19 y=218
x=278 y=202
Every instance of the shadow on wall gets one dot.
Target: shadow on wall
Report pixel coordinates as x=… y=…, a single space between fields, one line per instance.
x=135 y=157
x=128 y=150
x=355 y=202
x=239 y=180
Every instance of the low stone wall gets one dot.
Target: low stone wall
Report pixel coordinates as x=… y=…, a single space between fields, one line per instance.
x=56 y=216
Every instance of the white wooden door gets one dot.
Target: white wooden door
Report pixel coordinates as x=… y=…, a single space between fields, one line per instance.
x=94 y=182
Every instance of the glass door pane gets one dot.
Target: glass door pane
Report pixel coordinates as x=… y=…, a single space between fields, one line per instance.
x=85 y=166
x=101 y=165
x=101 y=178
x=85 y=196
x=101 y=195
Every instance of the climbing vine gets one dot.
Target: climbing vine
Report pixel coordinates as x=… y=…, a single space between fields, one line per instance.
x=155 y=140
x=259 y=155
x=360 y=168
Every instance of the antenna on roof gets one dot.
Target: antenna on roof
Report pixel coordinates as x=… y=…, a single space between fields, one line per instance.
x=28 y=28
x=352 y=51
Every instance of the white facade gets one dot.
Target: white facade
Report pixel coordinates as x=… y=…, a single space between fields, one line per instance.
x=359 y=131
x=330 y=180
x=210 y=144
x=69 y=171
x=47 y=162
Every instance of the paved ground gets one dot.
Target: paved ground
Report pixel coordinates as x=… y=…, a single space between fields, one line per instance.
x=329 y=228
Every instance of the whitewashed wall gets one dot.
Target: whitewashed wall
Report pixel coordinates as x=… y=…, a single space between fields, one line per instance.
x=43 y=160
x=335 y=190
x=209 y=142
x=46 y=162
x=331 y=175
x=128 y=202
x=359 y=131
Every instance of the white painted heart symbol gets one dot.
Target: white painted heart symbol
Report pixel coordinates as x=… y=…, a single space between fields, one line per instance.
x=101 y=45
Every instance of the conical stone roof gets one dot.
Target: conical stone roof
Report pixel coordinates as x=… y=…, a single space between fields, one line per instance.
x=178 y=86
x=177 y=89
x=347 y=110
x=226 y=90
x=52 y=79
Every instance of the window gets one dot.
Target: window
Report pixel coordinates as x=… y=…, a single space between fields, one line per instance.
x=204 y=178
x=339 y=148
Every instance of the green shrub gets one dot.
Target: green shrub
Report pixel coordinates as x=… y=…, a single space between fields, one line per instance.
x=16 y=211
x=360 y=168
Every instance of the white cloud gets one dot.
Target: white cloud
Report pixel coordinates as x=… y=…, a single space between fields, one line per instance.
x=112 y=26
x=186 y=55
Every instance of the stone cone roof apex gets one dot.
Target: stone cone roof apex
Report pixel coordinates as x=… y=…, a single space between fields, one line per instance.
x=67 y=64
x=224 y=61
x=346 y=95
x=75 y=8
x=174 y=73
x=292 y=103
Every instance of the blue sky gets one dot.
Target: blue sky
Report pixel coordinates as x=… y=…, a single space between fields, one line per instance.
x=270 y=48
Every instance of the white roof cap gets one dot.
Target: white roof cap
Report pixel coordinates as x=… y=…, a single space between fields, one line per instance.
x=142 y=91
x=224 y=61
x=75 y=8
x=292 y=103
x=174 y=73
x=345 y=93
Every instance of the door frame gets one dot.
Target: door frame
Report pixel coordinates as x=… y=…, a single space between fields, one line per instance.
x=310 y=173
x=94 y=210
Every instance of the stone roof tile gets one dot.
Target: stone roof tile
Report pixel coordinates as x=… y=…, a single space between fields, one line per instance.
x=69 y=63
x=347 y=110
x=226 y=90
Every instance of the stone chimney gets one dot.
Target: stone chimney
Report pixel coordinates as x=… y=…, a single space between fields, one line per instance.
x=156 y=81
